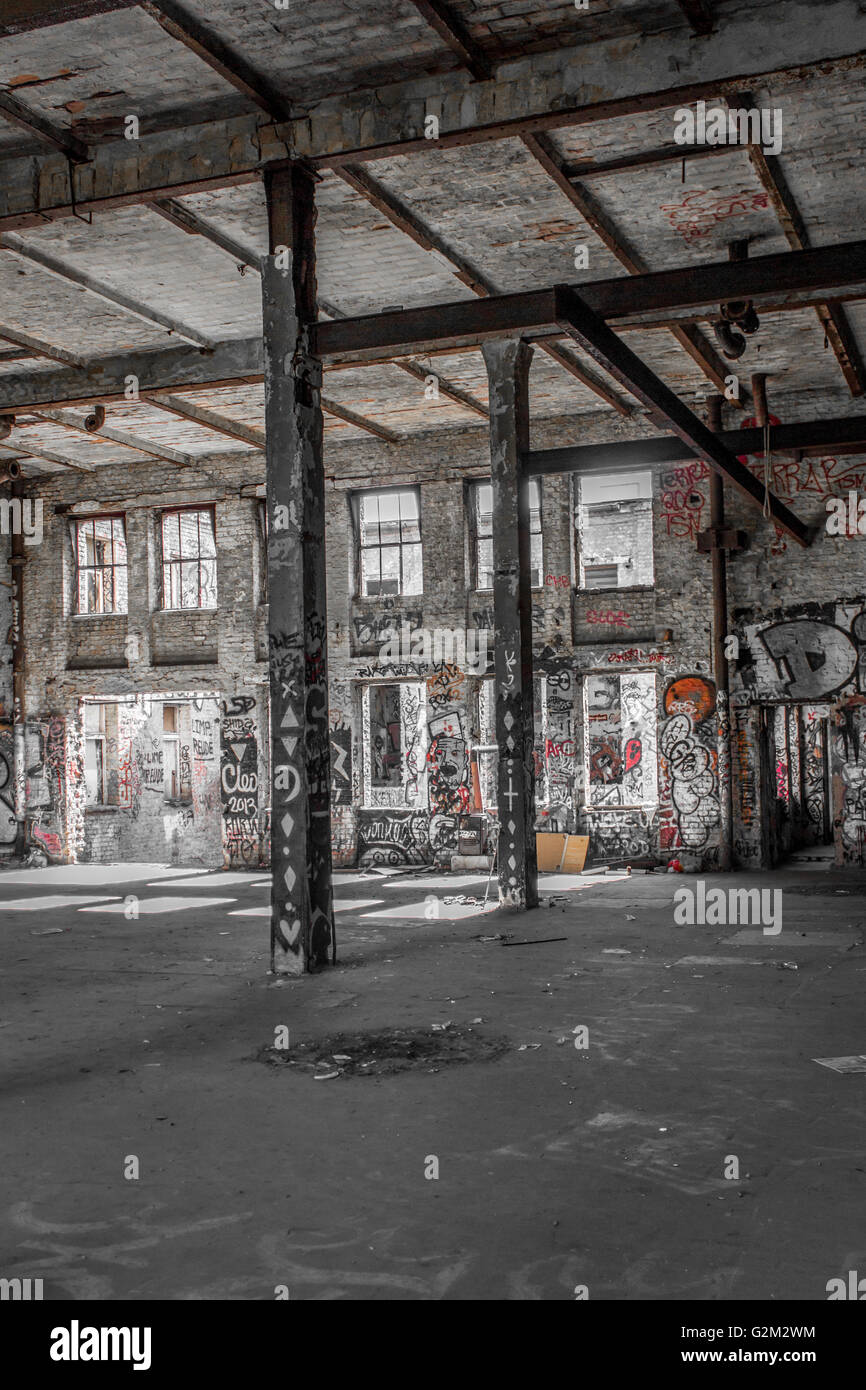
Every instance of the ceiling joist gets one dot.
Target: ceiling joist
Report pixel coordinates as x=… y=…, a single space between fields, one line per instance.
x=63 y=270
x=454 y=33
x=588 y=329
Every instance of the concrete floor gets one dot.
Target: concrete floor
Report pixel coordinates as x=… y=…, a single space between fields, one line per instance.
x=557 y=1167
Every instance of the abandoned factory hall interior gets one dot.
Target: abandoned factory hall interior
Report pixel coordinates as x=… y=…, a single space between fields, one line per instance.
x=433 y=579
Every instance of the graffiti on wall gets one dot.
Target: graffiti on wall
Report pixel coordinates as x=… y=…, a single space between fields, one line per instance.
x=239 y=782
x=811 y=655
x=557 y=777
x=392 y=838
x=688 y=748
x=448 y=764
x=682 y=499
x=8 y=823
x=341 y=765
x=621 y=834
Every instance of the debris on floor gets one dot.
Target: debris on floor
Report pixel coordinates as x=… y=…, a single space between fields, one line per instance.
x=386 y=1051
x=843 y=1065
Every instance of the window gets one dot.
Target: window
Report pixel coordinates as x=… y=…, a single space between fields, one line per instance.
x=389 y=541
x=482 y=529
x=95 y=781
x=101 y=565
x=175 y=757
x=614 y=530
x=386 y=737
x=188 y=558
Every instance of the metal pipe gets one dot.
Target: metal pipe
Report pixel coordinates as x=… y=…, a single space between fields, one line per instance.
x=720 y=661
x=17 y=560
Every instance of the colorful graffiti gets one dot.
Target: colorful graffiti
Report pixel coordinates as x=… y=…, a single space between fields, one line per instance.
x=690 y=702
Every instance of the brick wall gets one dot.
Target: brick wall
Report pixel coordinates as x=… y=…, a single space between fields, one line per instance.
x=664 y=631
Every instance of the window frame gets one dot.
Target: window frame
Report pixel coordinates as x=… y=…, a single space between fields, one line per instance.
x=581 y=511
x=399 y=545
x=177 y=794
x=78 y=523
x=375 y=690
x=98 y=738
x=198 y=559
x=476 y=536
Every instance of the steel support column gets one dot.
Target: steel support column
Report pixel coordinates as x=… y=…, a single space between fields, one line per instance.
x=507 y=362
x=719 y=560
x=302 y=917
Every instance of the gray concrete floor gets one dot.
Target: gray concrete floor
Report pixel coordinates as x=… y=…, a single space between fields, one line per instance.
x=557 y=1167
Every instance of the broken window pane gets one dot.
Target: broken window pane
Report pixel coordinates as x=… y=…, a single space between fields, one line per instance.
x=101 y=565
x=189 y=558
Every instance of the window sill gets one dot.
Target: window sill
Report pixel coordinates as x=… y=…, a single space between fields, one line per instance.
x=177 y=802
x=95 y=617
x=186 y=610
x=101 y=810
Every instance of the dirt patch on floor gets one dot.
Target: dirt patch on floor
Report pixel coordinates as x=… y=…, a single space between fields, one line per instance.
x=387 y=1052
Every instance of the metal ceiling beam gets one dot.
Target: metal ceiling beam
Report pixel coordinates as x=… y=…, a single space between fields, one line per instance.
x=644 y=159
x=443 y=385
x=577 y=319
x=187 y=29
x=783 y=277
x=224 y=153
x=14 y=110
x=190 y=222
x=361 y=422
x=62 y=270
x=406 y=221
x=841 y=435
x=832 y=318
x=108 y=432
x=689 y=338
x=454 y=33
x=699 y=15
x=103 y=380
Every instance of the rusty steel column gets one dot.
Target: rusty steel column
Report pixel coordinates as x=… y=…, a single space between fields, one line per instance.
x=719 y=561
x=302 y=913
x=508 y=362
x=17 y=560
